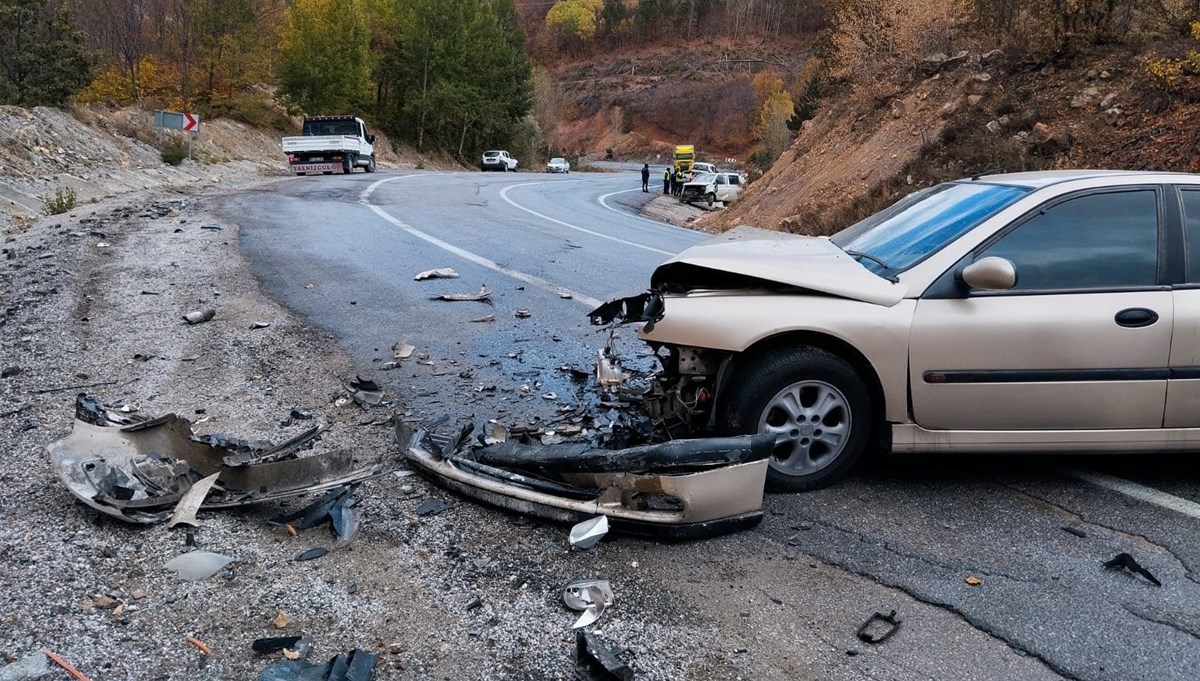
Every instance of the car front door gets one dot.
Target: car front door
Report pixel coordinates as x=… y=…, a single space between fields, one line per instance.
x=1081 y=341
x=1183 y=387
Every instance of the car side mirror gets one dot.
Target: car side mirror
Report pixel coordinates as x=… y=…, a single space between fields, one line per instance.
x=990 y=274
x=370 y=139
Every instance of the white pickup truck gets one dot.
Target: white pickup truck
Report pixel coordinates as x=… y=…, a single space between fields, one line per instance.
x=331 y=143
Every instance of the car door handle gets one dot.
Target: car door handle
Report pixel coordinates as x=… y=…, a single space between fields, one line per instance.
x=1136 y=317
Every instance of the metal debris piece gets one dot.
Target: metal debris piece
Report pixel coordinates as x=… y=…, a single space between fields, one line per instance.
x=197 y=565
x=440 y=273
x=259 y=325
x=138 y=469
x=274 y=644
x=486 y=318
x=523 y=314
x=433 y=506
x=1127 y=562
x=211 y=228
x=496 y=434
x=588 y=533
x=185 y=510
x=482 y=296
x=403 y=350
x=300 y=414
x=310 y=554
x=551 y=396
x=365 y=392
x=589 y=596
x=864 y=634
x=199 y=316
x=683 y=489
x=595 y=661
x=608 y=369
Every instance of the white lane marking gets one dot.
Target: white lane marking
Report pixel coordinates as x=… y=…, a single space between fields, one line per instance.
x=1149 y=495
x=530 y=279
x=603 y=201
x=504 y=195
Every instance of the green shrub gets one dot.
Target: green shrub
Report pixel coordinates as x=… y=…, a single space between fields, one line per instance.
x=62 y=201
x=174 y=153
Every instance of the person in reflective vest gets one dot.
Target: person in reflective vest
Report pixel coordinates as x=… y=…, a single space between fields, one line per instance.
x=666 y=180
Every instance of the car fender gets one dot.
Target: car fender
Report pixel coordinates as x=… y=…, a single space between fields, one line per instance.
x=737 y=322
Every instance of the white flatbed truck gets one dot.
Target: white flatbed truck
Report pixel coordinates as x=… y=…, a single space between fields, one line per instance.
x=330 y=144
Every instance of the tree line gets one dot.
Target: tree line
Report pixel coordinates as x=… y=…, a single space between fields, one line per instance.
x=445 y=74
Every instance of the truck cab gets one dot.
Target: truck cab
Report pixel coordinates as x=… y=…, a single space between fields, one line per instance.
x=685 y=156
x=331 y=143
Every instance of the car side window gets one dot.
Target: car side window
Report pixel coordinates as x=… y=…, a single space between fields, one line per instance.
x=1191 y=222
x=720 y=179
x=1105 y=240
x=734 y=179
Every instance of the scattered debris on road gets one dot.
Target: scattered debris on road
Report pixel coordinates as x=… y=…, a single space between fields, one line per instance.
x=1124 y=561
x=336 y=507
x=866 y=635
x=523 y=314
x=402 y=350
x=484 y=319
x=199 y=316
x=596 y=662
x=482 y=296
x=259 y=325
x=683 y=489
x=185 y=510
x=357 y=665
x=310 y=554
x=588 y=533
x=972 y=580
x=440 y=273
x=1075 y=531
x=140 y=469
x=365 y=392
x=196 y=566
x=274 y=644
x=199 y=645
x=433 y=506
x=590 y=597
x=58 y=660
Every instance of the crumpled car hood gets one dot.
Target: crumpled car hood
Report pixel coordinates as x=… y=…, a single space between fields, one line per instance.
x=811 y=263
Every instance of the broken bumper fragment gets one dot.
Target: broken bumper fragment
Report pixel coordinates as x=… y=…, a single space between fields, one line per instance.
x=685 y=489
x=138 y=469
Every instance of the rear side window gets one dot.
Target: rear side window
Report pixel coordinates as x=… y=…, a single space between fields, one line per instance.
x=1107 y=240
x=734 y=179
x=1191 y=217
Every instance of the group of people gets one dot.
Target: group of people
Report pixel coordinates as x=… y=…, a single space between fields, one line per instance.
x=673 y=179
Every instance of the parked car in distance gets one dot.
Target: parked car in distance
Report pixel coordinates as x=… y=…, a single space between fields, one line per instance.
x=558 y=164
x=712 y=187
x=701 y=167
x=498 y=160
x=1024 y=313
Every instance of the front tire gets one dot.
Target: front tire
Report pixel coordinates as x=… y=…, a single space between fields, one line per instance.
x=711 y=198
x=371 y=163
x=817 y=405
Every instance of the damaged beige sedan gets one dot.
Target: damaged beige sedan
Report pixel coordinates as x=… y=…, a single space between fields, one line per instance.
x=1035 y=312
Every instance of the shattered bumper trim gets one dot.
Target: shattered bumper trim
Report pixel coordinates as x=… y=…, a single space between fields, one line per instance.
x=710 y=502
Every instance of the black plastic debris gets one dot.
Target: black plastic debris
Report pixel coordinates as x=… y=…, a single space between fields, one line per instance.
x=866 y=635
x=433 y=506
x=595 y=661
x=357 y=665
x=274 y=644
x=365 y=392
x=301 y=414
x=211 y=228
x=1124 y=561
x=1075 y=531
x=337 y=507
x=647 y=307
x=9 y=372
x=311 y=554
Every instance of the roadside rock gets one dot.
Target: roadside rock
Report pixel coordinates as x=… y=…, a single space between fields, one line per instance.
x=1086 y=98
x=1050 y=140
x=980 y=84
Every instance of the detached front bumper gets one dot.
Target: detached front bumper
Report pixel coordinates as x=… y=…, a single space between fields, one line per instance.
x=685 y=489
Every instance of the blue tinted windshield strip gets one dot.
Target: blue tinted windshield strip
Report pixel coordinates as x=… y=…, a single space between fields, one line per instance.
x=926 y=222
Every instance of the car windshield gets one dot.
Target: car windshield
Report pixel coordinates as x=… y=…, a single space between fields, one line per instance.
x=557 y=161
x=923 y=223
x=705 y=178
x=345 y=126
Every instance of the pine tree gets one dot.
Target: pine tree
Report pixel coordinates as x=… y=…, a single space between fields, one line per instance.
x=43 y=59
x=325 y=58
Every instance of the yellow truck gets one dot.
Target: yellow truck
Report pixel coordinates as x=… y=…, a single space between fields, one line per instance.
x=685 y=156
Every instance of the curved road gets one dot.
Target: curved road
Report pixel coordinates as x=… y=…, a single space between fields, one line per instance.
x=904 y=536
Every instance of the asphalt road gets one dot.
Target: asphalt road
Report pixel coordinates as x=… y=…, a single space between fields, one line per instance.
x=902 y=535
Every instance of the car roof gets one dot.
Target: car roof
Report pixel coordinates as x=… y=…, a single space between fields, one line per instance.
x=1045 y=178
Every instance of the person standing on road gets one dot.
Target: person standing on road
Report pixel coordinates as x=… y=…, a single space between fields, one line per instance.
x=680 y=178
x=646 y=177
x=667 y=180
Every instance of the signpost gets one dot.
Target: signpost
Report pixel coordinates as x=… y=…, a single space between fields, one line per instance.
x=174 y=120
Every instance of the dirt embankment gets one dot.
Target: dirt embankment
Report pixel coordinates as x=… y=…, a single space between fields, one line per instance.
x=982 y=111
x=98 y=152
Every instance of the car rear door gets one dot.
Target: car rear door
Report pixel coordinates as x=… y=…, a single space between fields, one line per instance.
x=1183 y=387
x=1081 y=342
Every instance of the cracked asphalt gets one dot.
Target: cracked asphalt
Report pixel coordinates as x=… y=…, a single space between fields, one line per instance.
x=783 y=600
